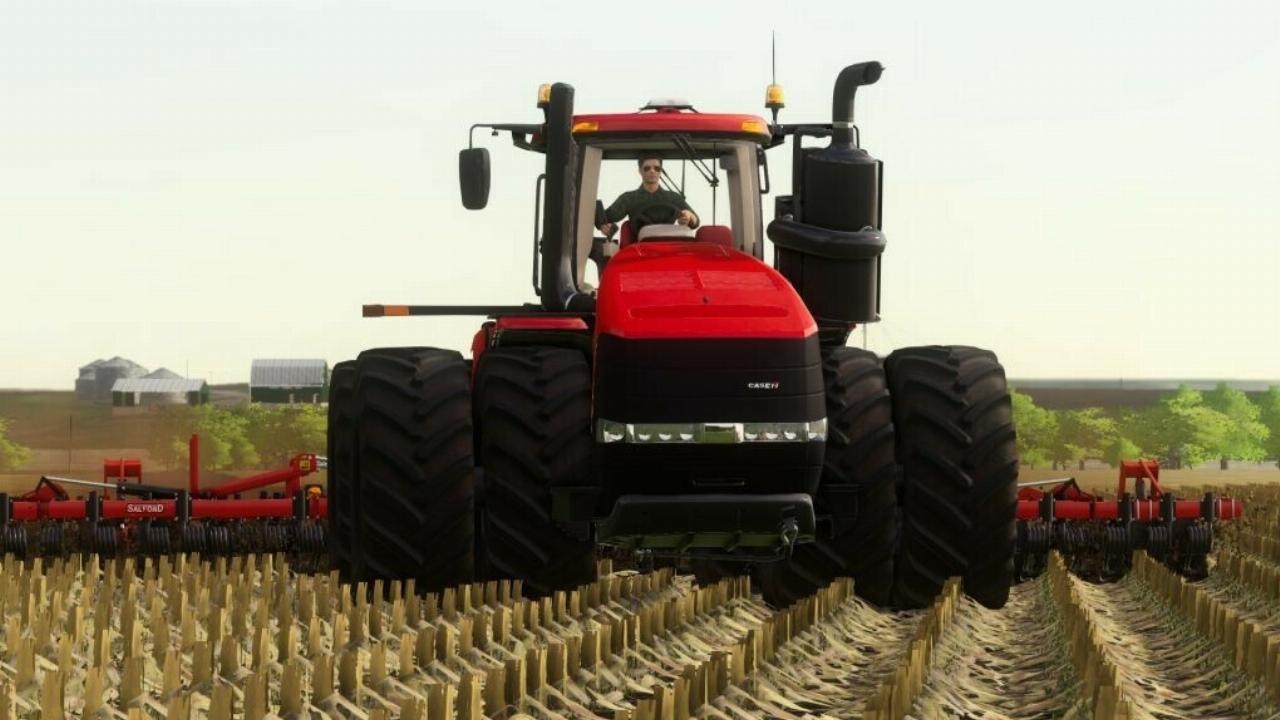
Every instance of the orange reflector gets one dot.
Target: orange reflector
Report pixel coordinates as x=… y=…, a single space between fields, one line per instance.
x=395 y=310
x=754 y=126
x=586 y=126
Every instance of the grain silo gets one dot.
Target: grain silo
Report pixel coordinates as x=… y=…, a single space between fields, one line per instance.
x=98 y=377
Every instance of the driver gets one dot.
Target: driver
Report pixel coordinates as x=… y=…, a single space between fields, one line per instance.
x=649 y=204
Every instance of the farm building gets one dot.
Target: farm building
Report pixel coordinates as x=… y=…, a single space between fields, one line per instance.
x=159 y=388
x=97 y=379
x=1072 y=394
x=289 y=380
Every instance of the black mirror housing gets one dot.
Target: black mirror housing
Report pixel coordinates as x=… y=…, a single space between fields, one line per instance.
x=473 y=177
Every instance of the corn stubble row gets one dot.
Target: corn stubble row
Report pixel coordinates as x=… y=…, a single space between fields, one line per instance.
x=244 y=638
x=183 y=637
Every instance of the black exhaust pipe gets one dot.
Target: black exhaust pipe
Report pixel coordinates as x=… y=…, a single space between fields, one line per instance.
x=847 y=84
x=559 y=288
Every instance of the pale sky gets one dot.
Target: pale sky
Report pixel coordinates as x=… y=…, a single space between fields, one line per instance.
x=1089 y=188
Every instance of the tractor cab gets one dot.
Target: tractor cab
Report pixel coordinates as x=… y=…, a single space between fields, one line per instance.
x=712 y=162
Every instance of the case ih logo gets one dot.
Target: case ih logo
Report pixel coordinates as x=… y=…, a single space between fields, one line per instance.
x=143 y=508
x=762 y=386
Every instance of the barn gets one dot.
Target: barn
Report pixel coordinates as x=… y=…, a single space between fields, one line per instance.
x=289 y=380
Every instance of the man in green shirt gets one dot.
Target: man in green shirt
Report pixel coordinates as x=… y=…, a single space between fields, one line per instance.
x=649 y=204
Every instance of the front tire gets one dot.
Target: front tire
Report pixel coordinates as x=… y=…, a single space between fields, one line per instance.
x=342 y=383
x=533 y=408
x=414 y=492
x=859 y=457
x=957 y=446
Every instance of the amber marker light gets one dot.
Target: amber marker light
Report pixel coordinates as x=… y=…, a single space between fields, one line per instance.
x=774 y=97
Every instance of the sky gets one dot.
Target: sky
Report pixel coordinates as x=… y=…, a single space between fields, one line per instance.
x=1091 y=189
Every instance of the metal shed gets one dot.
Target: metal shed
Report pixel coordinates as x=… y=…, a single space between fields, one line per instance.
x=289 y=380
x=138 y=392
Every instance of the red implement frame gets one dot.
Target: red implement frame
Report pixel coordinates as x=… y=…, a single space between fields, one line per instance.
x=201 y=509
x=1072 y=503
x=300 y=466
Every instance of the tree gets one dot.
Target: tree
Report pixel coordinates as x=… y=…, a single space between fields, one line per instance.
x=1085 y=434
x=12 y=455
x=1245 y=439
x=1121 y=448
x=224 y=443
x=282 y=431
x=1037 y=429
x=1179 y=429
x=1269 y=416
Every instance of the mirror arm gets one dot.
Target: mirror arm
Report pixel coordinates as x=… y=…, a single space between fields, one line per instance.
x=518 y=132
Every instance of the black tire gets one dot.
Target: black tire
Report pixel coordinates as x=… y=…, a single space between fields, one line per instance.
x=533 y=408
x=957 y=446
x=413 y=488
x=860 y=453
x=340 y=452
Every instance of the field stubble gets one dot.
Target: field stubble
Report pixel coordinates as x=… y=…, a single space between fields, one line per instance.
x=245 y=638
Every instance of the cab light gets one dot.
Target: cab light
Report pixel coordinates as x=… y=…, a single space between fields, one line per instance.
x=586 y=126
x=754 y=126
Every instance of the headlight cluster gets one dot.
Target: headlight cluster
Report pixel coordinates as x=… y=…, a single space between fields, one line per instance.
x=609 y=431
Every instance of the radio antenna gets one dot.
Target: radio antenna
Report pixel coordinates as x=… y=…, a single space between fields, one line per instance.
x=773 y=95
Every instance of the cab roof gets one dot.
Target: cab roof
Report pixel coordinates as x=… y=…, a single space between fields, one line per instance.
x=673 y=120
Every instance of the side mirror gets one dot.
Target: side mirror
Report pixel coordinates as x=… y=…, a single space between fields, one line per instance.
x=473 y=177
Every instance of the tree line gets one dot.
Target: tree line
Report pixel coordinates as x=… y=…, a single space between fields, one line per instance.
x=12 y=455
x=1183 y=428
x=239 y=437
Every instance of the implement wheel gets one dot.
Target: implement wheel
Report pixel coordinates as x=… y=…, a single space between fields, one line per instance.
x=412 y=490
x=533 y=408
x=342 y=383
x=956 y=444
x=859 y=460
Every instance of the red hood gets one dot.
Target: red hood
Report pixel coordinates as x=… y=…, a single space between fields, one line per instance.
x=684 y=289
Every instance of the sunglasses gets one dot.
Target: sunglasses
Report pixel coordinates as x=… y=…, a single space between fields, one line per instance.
x=647 y=168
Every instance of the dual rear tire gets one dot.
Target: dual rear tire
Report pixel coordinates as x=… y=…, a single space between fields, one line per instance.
x=928 y=444
x=402 y=467
x=403 y=458
x=533 y=408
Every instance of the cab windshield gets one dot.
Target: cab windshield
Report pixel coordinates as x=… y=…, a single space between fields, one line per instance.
x=719 y=180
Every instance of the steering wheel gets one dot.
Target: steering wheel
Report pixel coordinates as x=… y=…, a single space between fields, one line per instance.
x=674 y=214
x=636 y=223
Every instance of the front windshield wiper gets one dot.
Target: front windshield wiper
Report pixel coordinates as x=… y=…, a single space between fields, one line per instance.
x=708 y=172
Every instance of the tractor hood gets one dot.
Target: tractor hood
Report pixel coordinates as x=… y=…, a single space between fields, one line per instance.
x=671 y=290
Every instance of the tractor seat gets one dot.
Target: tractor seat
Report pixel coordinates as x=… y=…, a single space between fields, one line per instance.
x=717 y=234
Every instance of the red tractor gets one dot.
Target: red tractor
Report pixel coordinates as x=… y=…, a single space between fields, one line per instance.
x=700 y=404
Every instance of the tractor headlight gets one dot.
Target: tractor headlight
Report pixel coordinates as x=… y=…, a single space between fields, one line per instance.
x=608 y=431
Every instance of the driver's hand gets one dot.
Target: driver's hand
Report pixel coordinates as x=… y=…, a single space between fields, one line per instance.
x=607 y=229
x=684 y=218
